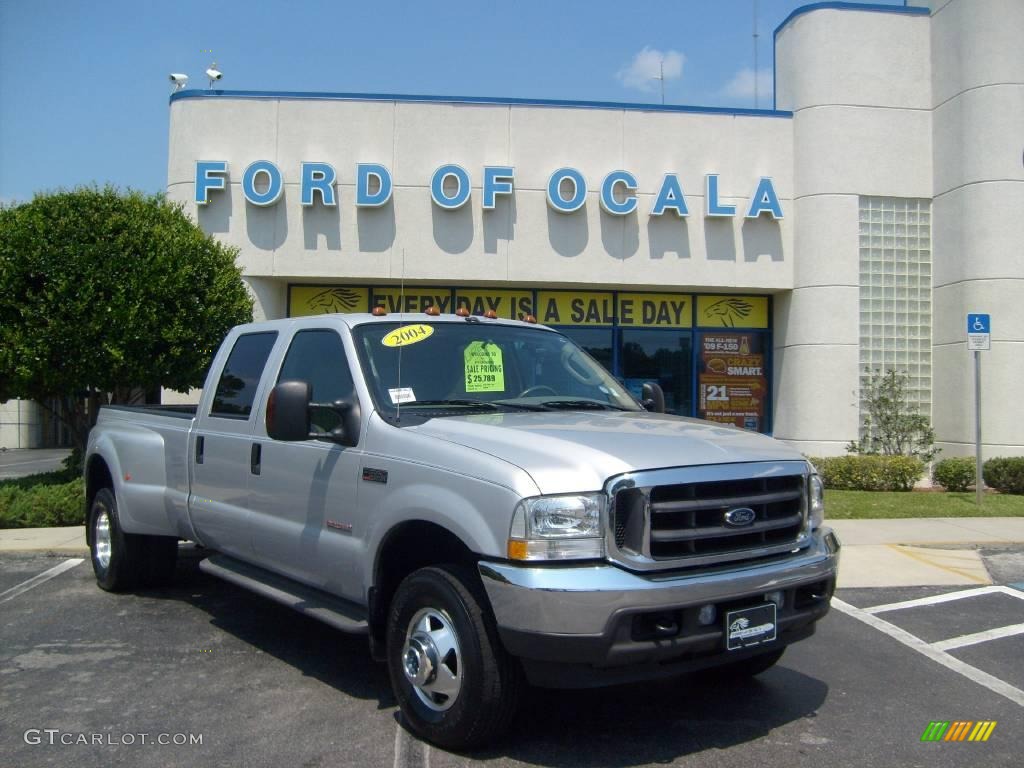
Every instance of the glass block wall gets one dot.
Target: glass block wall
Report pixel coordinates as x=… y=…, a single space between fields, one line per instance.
x=896 y=293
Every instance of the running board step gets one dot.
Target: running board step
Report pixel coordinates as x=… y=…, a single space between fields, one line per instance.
x=312 y=602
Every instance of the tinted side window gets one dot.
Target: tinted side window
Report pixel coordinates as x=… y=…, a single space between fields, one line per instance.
x=318 y=357
x=241 y=375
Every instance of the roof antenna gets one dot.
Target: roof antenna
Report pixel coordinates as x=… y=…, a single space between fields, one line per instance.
x=755 y=56
x=401 y=320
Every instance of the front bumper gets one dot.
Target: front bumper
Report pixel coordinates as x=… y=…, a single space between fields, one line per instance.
x=598 y=624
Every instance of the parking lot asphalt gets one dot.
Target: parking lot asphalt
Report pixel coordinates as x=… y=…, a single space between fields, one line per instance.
x=21 y=462
x=258 y=685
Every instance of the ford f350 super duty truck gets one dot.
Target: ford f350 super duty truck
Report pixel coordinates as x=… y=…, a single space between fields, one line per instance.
x=477 y=496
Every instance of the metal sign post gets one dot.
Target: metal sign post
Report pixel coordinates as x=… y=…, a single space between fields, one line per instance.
x=979 y=338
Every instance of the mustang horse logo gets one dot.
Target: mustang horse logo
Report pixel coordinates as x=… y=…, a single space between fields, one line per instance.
x=333 y=300
x=728 y=311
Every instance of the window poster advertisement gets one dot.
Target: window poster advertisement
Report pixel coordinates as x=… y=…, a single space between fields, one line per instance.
x=732 y=386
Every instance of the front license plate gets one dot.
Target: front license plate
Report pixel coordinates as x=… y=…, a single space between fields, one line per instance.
x=749 y=627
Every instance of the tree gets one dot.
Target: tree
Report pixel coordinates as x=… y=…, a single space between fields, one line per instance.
x=890 y=424
x=105 y=294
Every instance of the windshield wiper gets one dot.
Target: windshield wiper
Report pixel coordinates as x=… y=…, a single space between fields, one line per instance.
x=592 y=405
x=494 y=405
x=466 y=402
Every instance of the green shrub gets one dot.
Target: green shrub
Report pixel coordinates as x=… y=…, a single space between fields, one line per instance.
x=1005 y=474
x=42 y=504
x=954 y=474
x=869 y=473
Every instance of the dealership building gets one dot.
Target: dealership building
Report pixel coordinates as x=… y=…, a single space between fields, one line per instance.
x=757 y=263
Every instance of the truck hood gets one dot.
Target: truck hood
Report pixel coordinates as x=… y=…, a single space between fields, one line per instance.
x=565 y=452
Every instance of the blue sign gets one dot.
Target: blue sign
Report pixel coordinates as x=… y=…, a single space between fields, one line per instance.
x=451 y=187
x=979 y=323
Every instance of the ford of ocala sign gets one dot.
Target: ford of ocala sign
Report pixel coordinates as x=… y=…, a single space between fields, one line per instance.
x=451 y=187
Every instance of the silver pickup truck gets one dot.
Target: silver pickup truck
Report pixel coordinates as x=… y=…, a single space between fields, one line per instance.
x=477 y=496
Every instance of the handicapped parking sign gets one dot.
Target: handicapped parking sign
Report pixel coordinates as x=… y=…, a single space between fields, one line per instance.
x=979 y=331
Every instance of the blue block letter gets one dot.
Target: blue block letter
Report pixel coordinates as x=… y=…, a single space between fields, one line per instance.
x=461 y=194
x=318 y=177
x=714 y=208
x=275 y=185
x=206 y=180
x=497 y=181
x=670 y=197
x=578 y=197
x=764 y=199
x=364 y=197
x=608 y=201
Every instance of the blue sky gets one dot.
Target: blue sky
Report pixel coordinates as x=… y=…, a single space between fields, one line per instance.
x=84 y=88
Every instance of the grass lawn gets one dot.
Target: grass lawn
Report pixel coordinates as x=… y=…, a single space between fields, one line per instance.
x=863 y=505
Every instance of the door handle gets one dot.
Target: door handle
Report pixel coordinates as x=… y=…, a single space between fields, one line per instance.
x=255 y=456
x=200 y=445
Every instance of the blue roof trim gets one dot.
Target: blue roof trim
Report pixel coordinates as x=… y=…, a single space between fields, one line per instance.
x=906 y=10
x=492 y=100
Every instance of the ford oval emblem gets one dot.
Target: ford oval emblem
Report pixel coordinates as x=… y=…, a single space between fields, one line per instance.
x=740 y=516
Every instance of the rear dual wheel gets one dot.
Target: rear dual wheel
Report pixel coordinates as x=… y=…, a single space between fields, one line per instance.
x=455 y=684
x=123 y=561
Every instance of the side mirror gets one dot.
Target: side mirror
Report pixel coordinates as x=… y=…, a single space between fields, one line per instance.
x=347 y=431
x=652 y=397
x=288 y=411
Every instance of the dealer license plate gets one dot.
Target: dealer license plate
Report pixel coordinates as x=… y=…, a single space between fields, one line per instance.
x=749 y=627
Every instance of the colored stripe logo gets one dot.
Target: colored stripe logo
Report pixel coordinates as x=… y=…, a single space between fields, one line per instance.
x=958 y=730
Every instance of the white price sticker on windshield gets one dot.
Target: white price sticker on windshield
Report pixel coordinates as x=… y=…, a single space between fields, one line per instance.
x=402 y=395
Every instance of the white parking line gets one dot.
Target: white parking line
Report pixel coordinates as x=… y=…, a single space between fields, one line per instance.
x=944 y=598
x=35 y=581
x=979 y=637
x=994 y=684
x=410 y=752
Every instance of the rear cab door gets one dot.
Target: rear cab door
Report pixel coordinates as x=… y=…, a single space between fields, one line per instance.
x=220 y=445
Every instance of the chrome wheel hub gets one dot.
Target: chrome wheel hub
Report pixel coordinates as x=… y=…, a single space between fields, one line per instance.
x=432 y=659
x=101 y=538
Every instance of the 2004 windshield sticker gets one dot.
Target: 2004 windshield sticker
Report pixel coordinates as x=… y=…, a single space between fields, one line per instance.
x=485 y=370
x=407 y=334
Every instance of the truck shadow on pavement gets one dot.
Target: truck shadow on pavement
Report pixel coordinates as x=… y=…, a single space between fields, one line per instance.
x=318 y=651
x=658 y=722
x=637 y=724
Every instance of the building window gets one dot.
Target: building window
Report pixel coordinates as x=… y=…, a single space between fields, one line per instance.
x=896 y=294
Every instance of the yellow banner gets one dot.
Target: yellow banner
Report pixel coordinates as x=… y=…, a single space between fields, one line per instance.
x=321 y=299
x=416 y=299
x=512 y=305
x=572 y=308
x=655 y=310
x=732 y=311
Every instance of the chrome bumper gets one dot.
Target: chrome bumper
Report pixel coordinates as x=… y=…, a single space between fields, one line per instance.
x=586 y=600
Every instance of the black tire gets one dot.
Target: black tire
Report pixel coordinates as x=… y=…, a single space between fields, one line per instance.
x=488 y=681
x=752 y=666
x=124 y=561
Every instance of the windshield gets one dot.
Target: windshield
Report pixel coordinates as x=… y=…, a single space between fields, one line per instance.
x=452 y=368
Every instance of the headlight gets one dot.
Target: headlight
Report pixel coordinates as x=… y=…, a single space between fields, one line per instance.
x=558 y=528
x=816 y=501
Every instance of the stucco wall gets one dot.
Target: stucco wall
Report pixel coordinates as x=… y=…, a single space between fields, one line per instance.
x=522 y=240
x=859 y=85
x=978 y=227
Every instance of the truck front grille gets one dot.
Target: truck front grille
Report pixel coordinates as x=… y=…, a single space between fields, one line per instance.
x=677 y=524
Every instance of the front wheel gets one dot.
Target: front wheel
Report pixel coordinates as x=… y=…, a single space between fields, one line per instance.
x=455 y=684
